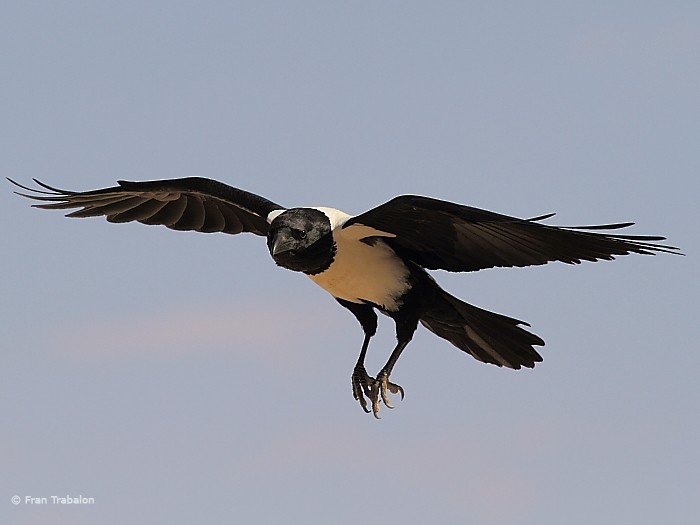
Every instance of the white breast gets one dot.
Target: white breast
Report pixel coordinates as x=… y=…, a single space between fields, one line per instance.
x=362 y=272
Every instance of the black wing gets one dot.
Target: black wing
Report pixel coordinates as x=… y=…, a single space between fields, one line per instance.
x=442 y=235
x=194 y=203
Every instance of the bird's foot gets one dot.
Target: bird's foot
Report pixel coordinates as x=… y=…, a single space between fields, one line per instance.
x=365 y=387
x=361 y=382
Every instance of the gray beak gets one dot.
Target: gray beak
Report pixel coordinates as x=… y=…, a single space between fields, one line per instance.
x=282 y=243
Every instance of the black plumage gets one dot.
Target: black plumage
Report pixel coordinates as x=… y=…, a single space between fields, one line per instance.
x=375 y=261
x=441 y=235
x=193 y=203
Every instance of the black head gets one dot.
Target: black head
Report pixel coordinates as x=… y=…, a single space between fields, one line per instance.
x=300 y=239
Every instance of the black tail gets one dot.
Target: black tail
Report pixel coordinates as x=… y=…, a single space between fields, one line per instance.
x=489 y=337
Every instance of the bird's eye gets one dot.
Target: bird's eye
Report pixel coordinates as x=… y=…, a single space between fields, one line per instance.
x=299 y=234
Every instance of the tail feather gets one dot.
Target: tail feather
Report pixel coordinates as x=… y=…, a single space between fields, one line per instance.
x=488 y=336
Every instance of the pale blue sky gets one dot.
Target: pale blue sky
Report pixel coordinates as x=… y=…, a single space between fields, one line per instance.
x=182 y=378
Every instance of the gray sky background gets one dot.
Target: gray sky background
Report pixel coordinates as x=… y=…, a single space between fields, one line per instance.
x=182 y=378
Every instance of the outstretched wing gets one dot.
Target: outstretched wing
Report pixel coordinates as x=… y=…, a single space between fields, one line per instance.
x=442 y=235
x=194 y=203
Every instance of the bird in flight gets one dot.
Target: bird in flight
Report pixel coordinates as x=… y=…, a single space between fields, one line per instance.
x=375 y=261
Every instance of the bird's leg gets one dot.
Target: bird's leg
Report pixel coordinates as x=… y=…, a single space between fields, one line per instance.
x=360 y=379
x=405 y=328
x=363 y=385
x=381 y=384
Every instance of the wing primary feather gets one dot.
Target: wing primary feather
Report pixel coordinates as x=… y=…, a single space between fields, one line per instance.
x=536 y=250
x=541 y=217
x=34 y=190
x=146 y=209
x=600 y=226
x=109 y=207
x=51 y=188
x=443 y=235
x=192 y=203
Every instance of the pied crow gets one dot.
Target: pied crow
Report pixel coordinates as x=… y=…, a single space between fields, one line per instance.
x=377 y=260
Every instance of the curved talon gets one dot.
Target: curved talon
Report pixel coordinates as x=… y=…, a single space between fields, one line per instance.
x=395 y=389
x=360 y=386
x=375 y=402
x=366 y=388
x=382 y=380
x=385 y=384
